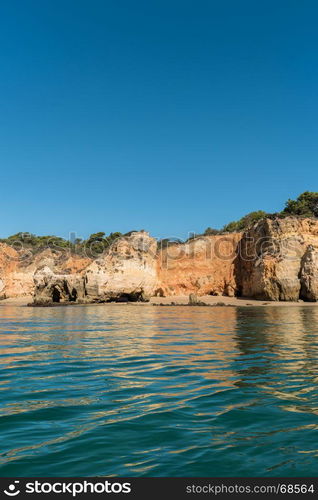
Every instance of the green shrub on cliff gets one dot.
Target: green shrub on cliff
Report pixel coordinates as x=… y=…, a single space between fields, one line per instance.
x=211 y=232
x=29 y=240
x=97 y=243
x=167 y=242
x=306 y=205
x=244 y=222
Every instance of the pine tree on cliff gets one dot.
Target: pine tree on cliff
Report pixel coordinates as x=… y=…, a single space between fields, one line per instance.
x=306 y=205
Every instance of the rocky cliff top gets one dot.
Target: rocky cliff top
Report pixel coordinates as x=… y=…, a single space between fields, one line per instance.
x=275 y=259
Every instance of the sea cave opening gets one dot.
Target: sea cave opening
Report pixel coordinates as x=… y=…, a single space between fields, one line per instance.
x=56 y=295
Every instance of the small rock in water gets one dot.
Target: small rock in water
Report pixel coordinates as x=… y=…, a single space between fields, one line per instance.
x=193 y=299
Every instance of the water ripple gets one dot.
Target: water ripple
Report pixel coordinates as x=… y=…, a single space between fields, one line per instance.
x=147 y=391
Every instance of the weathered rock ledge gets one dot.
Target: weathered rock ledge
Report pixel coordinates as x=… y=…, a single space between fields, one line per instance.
x=274 y=260
x=277 y=260
x=128 y=272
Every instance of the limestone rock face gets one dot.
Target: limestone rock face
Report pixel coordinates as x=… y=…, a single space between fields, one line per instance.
x=276 y=259
x=8 y=265
x=17 y=268
x=128 y=271
x=270 y=258
x=309 y=275
x=50 y=287
x=203 y=266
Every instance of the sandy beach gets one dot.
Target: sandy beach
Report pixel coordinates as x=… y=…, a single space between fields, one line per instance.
x=177 y=300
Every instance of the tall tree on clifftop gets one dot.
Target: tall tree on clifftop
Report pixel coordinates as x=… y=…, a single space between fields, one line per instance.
x=306 y=205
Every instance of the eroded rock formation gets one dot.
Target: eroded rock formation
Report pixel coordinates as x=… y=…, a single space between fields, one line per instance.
x=18 y=268
x=204 y=266
x=277 y=260
x=127 y=272
x=55 y=288
x=309 y=275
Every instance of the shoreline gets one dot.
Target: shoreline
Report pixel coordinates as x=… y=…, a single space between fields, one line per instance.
x=170 y=301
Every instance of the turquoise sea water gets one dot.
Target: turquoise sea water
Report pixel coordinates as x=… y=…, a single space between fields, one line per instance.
x=158 y=391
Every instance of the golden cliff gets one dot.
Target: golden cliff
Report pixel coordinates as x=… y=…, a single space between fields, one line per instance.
x=275 y=259
x=127 y=272
x=19 y=267
x=135 y=269
x=204 y=266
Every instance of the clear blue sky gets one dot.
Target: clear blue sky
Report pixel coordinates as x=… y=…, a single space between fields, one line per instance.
x=169 y=116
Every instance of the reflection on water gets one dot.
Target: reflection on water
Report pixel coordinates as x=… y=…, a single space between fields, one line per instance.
x=142 y=390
